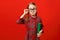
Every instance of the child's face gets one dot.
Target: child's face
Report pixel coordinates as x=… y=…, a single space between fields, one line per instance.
x=32 y=9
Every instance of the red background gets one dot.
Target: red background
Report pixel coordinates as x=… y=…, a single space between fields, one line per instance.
x=10 y=10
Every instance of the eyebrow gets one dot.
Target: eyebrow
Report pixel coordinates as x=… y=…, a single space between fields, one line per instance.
x=32 y=8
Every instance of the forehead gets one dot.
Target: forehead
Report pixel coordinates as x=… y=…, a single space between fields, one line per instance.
x=32 y=6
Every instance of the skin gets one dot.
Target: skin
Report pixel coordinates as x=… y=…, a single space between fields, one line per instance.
x=32 y=10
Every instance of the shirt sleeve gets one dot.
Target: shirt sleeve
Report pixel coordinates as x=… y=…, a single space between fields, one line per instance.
x=22 y=20
x=39 y=25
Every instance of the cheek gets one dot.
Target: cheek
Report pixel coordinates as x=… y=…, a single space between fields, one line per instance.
x=35 y=11
x=29 y=12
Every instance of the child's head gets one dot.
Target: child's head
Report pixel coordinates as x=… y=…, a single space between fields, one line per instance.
x=32 y=9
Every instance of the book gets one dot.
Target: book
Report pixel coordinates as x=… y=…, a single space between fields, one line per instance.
x=38 y=27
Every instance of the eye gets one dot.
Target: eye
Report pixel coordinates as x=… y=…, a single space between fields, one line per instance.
x=32 y=9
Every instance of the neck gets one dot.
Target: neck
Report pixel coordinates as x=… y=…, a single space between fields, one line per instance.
x=33 y=16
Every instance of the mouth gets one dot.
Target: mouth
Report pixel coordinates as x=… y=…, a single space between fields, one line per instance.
x=33 y=15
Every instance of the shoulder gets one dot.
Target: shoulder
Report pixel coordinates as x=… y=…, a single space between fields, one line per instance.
x=38 y=18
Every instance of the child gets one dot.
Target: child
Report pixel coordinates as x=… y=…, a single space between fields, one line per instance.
x=33 y=23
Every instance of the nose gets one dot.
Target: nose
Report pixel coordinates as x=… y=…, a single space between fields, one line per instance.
x=32 y=11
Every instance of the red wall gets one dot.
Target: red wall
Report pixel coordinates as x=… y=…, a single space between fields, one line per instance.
x=10 y=10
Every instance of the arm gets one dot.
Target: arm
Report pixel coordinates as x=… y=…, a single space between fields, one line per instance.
x=25 y=12
x=40 y=28
x=22 y=15
x=21 y=18
x=40 y=33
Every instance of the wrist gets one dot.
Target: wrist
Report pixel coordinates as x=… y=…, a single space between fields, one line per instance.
x=22 y=15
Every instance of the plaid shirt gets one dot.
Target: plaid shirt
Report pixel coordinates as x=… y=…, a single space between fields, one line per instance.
x=31 y=24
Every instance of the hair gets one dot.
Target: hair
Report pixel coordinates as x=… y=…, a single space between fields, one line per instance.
x=32 y=4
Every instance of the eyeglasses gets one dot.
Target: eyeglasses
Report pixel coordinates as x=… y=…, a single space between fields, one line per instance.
x=32 y=9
